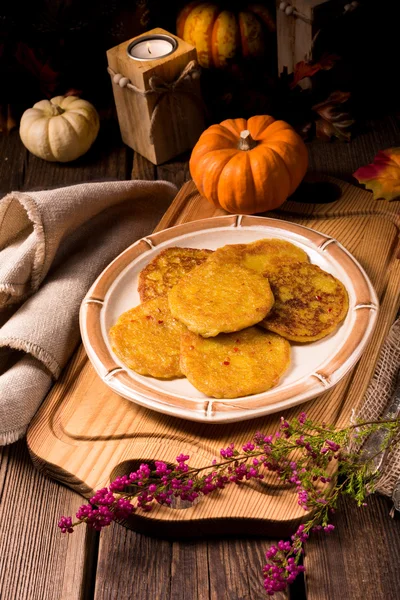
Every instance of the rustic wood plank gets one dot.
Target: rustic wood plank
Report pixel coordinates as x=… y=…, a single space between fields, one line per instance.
x=107 y=159
x=175 y=171
x=192 y=558
x=223 y=569
x=36 y=561
x=235 y=568
x=143 y=168
x=131 y=565
x=360 y=559
x=13 y=162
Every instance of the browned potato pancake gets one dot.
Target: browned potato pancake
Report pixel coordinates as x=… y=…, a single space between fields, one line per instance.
x=309 y=302
x=167 y=268
x=234 y=364
x=147 y=339
x=215 y=298
x=261 y=256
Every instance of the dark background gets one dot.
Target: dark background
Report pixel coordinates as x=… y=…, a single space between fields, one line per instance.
x=48 y=47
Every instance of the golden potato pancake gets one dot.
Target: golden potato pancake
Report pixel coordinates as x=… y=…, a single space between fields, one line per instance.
x=147 y=339
x=261 y=256
x=167 y=268
x=234 y=364
x=218 y=298
x=309 y=302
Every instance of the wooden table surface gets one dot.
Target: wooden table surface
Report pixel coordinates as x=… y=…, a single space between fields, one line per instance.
x=359 y=561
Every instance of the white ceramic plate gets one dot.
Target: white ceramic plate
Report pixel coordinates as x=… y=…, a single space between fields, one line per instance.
x=315 y=367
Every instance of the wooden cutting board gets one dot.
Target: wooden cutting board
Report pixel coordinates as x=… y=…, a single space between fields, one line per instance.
x=84 y=434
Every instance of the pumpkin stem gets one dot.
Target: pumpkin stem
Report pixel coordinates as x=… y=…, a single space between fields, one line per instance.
x=57 y=110
x=246 y=142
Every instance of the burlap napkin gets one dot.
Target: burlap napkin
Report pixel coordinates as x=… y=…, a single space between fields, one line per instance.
x=53 y=244
x=382 y=401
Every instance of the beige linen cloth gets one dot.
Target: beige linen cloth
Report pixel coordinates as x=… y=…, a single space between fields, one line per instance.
x=53 y=244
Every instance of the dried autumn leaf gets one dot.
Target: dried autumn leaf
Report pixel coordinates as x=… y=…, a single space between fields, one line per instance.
x=382 y=176
x=327 y=131
x=308 y=69
x=334 y=121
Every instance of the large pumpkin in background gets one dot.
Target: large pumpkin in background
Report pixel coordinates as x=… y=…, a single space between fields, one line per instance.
x=221 y=35
x=248 y=166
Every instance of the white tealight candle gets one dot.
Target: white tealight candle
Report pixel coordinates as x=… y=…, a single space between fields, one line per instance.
x=152 y=47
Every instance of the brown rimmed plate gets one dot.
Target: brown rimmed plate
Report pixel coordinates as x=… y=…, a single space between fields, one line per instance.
x=315 y=367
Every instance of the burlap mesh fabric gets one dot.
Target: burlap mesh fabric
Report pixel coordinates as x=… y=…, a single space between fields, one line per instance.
x=378 y=399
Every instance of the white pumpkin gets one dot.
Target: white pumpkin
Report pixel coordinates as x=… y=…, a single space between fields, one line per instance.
x=60 y=129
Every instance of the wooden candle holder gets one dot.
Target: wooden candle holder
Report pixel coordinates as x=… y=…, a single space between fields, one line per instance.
x=142 y=87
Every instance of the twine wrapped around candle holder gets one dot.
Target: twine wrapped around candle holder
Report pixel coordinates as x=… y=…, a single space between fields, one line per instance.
x=163 y=89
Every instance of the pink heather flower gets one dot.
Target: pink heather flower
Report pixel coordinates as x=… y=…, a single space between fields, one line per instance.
x=303 y=498
x=284 y=546
x=261 y=439
x=332 y=445
x=119 y=484
x=227 y=452
x=123 y=508
x=84 y=511
x=182 y=467
x=100 y=517
x=281 y=568
x=300 y=535
x=144 y=471
x=271 y=552
x=248 y=447
x=302 y=418
x=143 y=501
x=65 y=524
x=102 y=498
x=162 y=468
x=182 y=458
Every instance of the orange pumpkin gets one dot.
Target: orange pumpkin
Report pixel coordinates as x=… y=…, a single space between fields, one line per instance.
x=248 y=166
x=221 y=36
